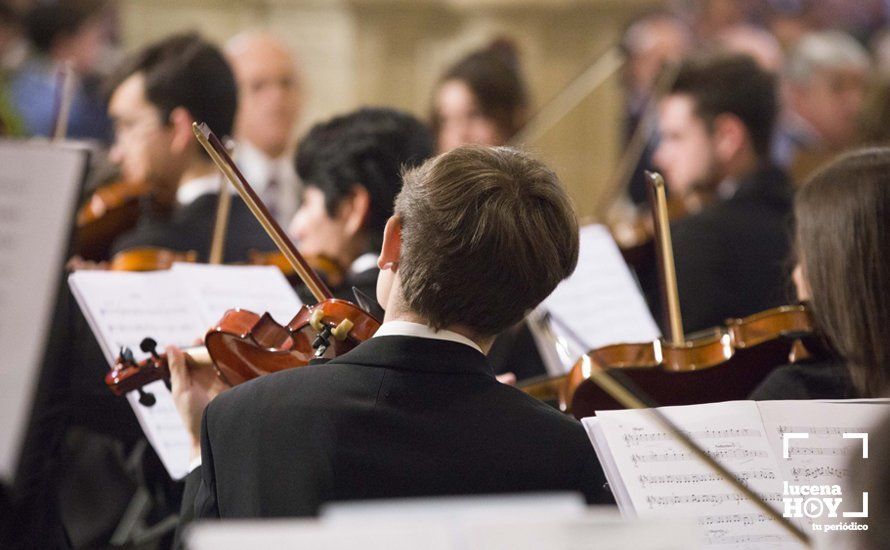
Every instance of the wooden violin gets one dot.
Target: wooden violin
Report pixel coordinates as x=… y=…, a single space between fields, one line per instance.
x=245 y=345
x=327 y=268
x=722 y=364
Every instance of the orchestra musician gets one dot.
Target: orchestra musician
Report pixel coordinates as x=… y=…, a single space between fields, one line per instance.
x=481 y=99
x=269 y=104
x=843 y=232
x=155 y=97
x=716 y=123
x=351 y=166
x=479 y=236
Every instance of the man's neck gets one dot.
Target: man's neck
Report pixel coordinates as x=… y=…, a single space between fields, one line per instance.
x=742 y=165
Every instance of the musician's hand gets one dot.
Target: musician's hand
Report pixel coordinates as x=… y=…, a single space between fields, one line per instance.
x=76 y=263
x=507 y=378
x=193 y=389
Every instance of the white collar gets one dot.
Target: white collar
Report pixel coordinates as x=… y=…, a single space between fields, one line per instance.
x=407 y=328
x=194 y=188
x=366 y=261
x=259 y=167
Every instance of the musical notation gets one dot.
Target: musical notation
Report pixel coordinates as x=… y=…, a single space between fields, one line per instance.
x=679 y=456
x=838 y=431
x=722 y=539
x=680 y=479
x=830 y=472
x=734 y=519
x=820 y=451
x=634 y=439
x=715 y=499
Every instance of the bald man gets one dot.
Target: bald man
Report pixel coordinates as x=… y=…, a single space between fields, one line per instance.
x=268 y=110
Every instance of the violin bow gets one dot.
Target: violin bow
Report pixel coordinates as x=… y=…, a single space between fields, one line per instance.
x=665 y=251
x=227 y=166
x=624 y=391
x=594 y=76
x=64 y=99
x=221 y=223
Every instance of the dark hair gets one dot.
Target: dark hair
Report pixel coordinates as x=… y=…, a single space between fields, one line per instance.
x=50 y=20
x=735 y=84
x=185 y=71
x=494 y=76
x=487 y=234
x=843 y=237
x=369 y=147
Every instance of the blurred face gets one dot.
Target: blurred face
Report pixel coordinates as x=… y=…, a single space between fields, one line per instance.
x=832 y=103
x=141 y=140
x=269 y=100
x=685 y=153
x=315 y=231
x=461 y=120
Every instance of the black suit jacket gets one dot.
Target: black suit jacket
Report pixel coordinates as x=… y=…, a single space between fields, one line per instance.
x=732 y=258
x=396 y=417
x=191 y=228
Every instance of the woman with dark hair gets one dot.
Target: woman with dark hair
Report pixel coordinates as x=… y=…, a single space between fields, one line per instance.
x=481 y=99
x=843 y=270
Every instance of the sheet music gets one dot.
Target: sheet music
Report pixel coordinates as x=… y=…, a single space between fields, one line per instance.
x=600 y=302
x=658 y=477
x=825 y=457
x=39 y=186
x=173 y=307
x=255 y=288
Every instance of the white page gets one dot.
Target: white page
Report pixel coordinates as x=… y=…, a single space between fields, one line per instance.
x=173 y=307
x=663 y=479
x=600 y=302
x=123 y=308
x=219 y=288
x=39 y=186
x=825 y=457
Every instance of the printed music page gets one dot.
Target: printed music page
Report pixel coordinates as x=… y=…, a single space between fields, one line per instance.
x=173 y=307
x=658 y=477
x=39 y=187
x=600 y=304
x=652 y=475
x=255 y=288
x=824 y=440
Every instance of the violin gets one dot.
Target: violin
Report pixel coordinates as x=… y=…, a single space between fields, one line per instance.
x=330 y=270
x=245 y=345
x=722 y=364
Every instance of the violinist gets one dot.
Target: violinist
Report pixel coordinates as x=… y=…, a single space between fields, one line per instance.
x=843 y=235
x=155 y=96
x=479 y=236
x=716 y=123
x=351 y=166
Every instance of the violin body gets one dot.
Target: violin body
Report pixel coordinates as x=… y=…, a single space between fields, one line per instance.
x=110 y=211
x=723 y=364
x=328 y=269
x=149 y=258
x=245 y=345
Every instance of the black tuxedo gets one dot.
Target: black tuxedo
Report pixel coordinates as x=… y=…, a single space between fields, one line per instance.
x=396 y=417
x=732 y=257
x=191 y=228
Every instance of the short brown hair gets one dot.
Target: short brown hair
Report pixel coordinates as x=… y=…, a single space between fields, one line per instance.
x=487 y=234
x=843 y=236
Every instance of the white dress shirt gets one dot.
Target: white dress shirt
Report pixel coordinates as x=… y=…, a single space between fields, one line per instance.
x=187 y=192
x=418 y=330
x=260 y=170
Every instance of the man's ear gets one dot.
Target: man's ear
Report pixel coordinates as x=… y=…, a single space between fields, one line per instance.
x=730 y=135
x=181 y=127
x=356 y=209
x=391 y=250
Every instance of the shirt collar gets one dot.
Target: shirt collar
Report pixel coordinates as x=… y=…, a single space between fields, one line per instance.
x=407 y=328
x=194 y=188
x=366 y=261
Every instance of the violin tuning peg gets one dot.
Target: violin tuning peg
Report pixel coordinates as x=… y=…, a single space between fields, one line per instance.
x=146 y=399
x=149 y=345
x=126 y=356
